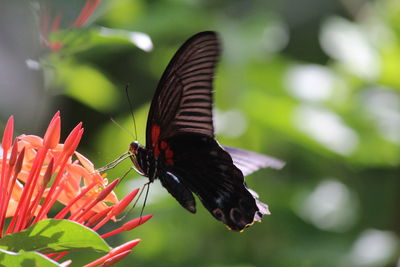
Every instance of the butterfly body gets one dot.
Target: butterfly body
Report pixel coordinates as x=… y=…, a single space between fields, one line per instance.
x=181 y=150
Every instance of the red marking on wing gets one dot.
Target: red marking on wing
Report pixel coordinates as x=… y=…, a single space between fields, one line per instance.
x=169 y=154
x=155 y=134
x=163 y=145
x=156 y=151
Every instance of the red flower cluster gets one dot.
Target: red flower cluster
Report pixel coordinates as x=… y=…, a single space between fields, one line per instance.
x=38 y=172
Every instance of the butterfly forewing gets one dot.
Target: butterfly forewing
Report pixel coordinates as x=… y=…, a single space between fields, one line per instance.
x=183 y=99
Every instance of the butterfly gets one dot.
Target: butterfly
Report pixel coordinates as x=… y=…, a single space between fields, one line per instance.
x=181 y=150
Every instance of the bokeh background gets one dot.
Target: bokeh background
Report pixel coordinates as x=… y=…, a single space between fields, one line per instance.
x=314 y=83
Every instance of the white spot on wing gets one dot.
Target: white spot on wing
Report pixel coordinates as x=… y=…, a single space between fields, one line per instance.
x=174 y=177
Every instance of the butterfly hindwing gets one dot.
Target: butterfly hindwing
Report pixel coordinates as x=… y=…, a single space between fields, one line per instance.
x=208 y=170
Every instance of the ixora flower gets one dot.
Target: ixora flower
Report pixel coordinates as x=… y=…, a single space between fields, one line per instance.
x=37 y=173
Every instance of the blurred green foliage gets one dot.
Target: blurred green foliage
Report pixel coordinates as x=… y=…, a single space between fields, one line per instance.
x=315 y=83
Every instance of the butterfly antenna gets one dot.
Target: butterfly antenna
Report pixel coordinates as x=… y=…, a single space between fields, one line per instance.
x=122 y=127
x=131 y=109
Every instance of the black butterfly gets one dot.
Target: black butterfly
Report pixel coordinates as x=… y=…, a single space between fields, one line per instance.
x=180 y=147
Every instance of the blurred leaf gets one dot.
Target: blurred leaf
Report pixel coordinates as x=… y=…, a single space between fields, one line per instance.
x=87 y=85
x=390 y=66
x=122 y=13
x=80 y=39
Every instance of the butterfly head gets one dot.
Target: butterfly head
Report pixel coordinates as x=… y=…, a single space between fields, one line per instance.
x=135 y=149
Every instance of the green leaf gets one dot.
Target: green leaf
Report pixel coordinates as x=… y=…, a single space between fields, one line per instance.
x=8 y=258
x=54 y=236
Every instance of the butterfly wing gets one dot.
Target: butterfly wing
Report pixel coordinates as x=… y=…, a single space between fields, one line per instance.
x=206 y=169
x=249 y=162
x=183 y=98
x=180 y=135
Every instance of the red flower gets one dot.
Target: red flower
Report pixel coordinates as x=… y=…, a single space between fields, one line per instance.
x=38 y=172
